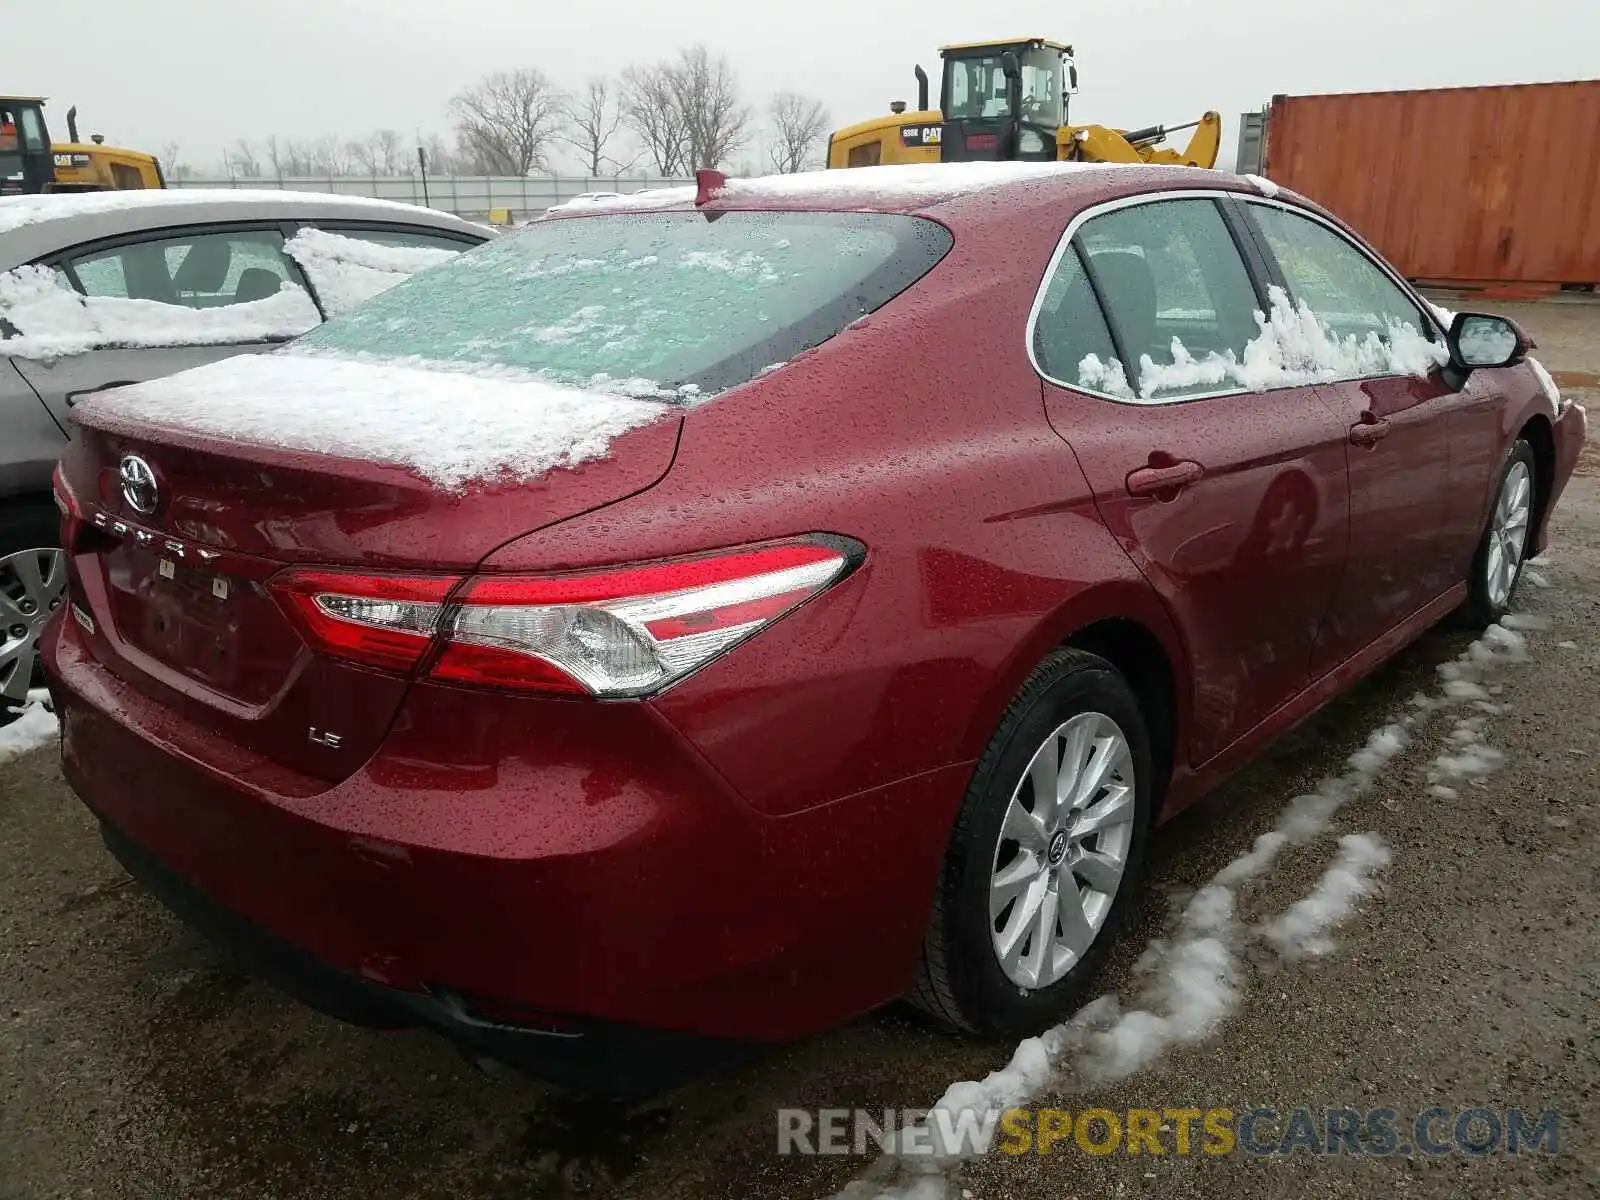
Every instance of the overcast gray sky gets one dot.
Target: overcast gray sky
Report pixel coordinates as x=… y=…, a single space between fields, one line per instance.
x=200 y=73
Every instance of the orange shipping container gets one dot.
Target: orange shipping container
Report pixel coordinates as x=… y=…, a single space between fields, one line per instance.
x=1486 y=185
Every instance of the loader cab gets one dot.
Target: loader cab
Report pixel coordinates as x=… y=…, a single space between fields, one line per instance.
x=1004 y=100
x=26 y=163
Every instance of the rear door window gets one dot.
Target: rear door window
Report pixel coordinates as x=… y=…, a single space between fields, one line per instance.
x=667 y=303
x=202 y=270
x=1071 y=341
x=210 y=288
x=1176 y=289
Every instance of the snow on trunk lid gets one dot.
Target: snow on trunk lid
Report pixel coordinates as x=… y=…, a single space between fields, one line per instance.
x=450 y=427
x=178 y=590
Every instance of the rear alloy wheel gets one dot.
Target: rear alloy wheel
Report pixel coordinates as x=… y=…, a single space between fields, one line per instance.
x=1497 y=565
x=1046 y=852
x=33 y=584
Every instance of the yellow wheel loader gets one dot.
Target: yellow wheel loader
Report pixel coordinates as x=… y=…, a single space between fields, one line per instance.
x=30 y=162
x=1008 y=100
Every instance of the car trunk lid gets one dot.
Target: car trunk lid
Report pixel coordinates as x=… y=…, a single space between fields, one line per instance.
x=182 y=529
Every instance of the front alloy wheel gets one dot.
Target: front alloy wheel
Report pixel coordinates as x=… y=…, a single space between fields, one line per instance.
x=1508 y=532
x=1497 y=565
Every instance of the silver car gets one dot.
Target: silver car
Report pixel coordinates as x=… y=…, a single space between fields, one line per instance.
x=108 y=288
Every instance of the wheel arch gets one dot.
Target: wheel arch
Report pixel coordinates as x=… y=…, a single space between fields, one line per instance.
x=1141 y=658
x=1125 y=623
x=1537 y=431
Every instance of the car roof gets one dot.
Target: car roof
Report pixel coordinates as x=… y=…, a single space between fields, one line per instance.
x=34 y=226
x=934 y=189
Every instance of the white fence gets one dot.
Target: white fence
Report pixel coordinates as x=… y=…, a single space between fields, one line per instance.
x=465 y=195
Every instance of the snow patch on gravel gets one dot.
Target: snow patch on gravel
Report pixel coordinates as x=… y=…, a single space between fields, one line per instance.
x=1302 y=931
x=36 y=727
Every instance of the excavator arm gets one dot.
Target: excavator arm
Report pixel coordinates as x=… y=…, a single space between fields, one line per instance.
x=1099 y=143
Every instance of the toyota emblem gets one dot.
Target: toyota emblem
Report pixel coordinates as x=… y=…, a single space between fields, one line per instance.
x=139 y=484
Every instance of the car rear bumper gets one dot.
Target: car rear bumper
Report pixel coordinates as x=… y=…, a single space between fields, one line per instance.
x=568 y=863
x=609 y=1059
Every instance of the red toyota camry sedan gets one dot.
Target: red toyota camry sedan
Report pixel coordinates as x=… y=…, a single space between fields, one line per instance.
x=703 y=617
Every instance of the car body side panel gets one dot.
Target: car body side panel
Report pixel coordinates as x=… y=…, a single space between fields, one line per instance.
x=62 y=382
x=1404 y=545
x=918 y=431
x=1570 y=432
x=33 y=439
x=1245 y=557
x=1486 y=436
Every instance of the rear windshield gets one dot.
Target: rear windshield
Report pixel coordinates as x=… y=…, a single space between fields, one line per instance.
x=682 y=303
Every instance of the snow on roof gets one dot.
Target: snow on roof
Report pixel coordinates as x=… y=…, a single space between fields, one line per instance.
x=449 y=427
x=928 y=182
x=17 y=211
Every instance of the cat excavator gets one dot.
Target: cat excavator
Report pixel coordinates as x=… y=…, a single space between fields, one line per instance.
x=1008 y=100
x=31 y=163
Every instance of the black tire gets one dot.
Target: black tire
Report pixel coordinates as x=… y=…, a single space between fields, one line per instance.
x=26 y=526
x=1479 y=610
x=961 y=982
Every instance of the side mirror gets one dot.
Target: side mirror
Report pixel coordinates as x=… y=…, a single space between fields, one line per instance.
x=1483 y=340
x=1011 y=65
x=1072 y=79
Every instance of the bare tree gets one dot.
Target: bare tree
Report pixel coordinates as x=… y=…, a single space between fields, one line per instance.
x=798 y=123
x=242 y=156
x=687 y=111
x=650 y=107
x=715 y=120
x=330 y=156
x=274 y=153
x=292 y=156
x=389 y=152
x=172 y=164
x=363 y=153
x=441 y=159
x=507 y=119
x=592 y=123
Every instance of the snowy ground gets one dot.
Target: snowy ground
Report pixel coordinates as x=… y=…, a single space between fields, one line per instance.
x=1425 y=930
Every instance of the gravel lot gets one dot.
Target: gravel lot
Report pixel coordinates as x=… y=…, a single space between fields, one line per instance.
x=136 y=1061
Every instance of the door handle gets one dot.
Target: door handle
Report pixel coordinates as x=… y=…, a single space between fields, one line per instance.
x=1369 y=430
x=1148 y=481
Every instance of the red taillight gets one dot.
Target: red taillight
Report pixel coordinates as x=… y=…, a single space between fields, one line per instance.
x=67 y=505
x=627 y=631
x=378 y=620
